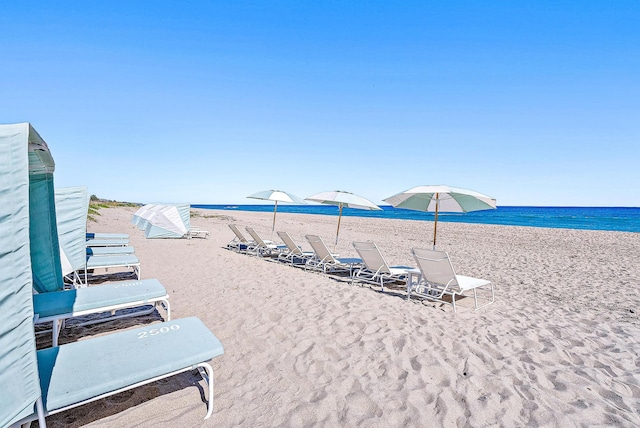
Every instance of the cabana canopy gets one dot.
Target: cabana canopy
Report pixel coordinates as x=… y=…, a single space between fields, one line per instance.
x=163 y=221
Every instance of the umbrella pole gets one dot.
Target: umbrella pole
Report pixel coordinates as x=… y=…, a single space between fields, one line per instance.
x=338 y=229
x=273 y=227
x=435 y=223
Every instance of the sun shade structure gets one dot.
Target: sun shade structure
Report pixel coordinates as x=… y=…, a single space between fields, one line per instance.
x=441 y=198
x=277 y=196
x=27 y=208
x=163 y=221
x=343 y=199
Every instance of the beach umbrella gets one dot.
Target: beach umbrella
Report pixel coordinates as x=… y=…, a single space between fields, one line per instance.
x=441 y=198
x=343 y=199
x=277 y=196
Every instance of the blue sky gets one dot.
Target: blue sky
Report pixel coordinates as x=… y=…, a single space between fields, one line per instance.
x=531 y=102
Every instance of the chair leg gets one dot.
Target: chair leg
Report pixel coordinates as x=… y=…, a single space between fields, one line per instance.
x=206 y=371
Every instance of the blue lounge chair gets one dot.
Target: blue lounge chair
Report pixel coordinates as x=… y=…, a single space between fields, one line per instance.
x=109 y=251
x=99 y=235
x=122 y=361
x=117 y=261
x=58 y=306
x=113 y=242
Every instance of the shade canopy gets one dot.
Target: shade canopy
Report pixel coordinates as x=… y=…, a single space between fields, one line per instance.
x=441 y=198
x=343 y=199
x=447 y=199
x=277 y=196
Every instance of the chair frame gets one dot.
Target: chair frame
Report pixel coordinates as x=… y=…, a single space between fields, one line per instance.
x=263 y=248
x=376 y=270
x=294 y=255
x=323 y=259
x=455 y=286
x=239 y=241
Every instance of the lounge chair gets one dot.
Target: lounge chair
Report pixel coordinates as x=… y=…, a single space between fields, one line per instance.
x=239 y=242
x=81 y=372
x=294 y=253
x=109 y=251
x=114 y=242
x=58 y=306
x=118 y=261
x=439 y=280
x=376 y=270
x=196 y=232
x=327 y=262
x=264 y=248
x=99 y=235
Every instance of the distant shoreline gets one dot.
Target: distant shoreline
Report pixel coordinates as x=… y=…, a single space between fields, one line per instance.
x=618 y=219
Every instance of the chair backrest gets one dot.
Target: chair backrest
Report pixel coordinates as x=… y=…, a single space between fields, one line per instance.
x=371 y=256
x=289 y=242
x=239 y=235
x=319 y=247
x=255 y=236
x=435 y=267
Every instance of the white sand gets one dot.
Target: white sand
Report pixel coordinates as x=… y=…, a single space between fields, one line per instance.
x=560 y=347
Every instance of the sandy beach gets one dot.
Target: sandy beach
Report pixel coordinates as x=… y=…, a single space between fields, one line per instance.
x=559 y=347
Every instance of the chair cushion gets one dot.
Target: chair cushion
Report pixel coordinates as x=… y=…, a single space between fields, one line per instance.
x=67 y=302
x=78 y=371
x=113 y=260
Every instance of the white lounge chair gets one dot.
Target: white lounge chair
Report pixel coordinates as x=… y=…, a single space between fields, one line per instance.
x=376 y=270
x=439 y=280
x=196 y=232
x=327 y=262
x=294 y=253
x=58 y=306
x=239 y=242
x=262 y=247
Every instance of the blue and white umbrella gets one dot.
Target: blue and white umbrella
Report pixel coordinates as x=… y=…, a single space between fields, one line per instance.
x=441 y=198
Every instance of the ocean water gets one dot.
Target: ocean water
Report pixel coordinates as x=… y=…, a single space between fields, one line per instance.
x=591 y=218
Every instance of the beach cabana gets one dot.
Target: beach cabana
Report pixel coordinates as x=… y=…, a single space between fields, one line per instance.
x=36 y=383
x=169 y=221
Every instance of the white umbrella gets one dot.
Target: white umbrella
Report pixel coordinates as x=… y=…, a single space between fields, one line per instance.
x=441 y=199
x=343 y=199
x=276 y=196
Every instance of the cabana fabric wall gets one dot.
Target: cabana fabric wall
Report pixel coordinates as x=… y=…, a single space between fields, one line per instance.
x=26 y=169
x=72 y=207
